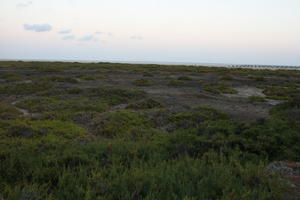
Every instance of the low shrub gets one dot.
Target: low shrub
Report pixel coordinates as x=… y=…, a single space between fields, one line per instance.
x=12 y=77
x=175 y=83
x=8 y=112
x=122 y=123
x=194 y=119
x=226 y=77
x=145 y=104
x=25 y=88
x=220 y=89
x=184 y=78
x=61 y=78
x=49 y=128
x=279 y=92
x=142 y=82
x=148 y=74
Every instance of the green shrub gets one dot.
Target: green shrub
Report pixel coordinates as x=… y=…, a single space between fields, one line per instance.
x=175 y=83
x=226 y=77
x=12 y=77
x=61 y=78
x=122 y=123
x=195 y=118
x=259 y=78
x=184 y=78
x=279 y=92
x=48 y=68
x=147 y=74
x=289 y=110
x=8 y=112
x=112 y=96
x=221 y=89
x=19 y=129
x=39 y=104
x=89 y=77
x=58 y=128
x=49 y=128
x=145 y=104
x=25 y=88
x=44 y=104
x=85 y=104
x=142 y=82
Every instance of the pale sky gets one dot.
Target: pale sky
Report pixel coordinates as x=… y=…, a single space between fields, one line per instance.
x=201 y=31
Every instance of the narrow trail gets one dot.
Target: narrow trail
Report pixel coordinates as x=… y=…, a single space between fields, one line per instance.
x=23 y=111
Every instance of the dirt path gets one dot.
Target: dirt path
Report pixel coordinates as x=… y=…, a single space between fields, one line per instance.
x=23 y=111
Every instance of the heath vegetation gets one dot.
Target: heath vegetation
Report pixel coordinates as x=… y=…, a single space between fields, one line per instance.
x=89 y=134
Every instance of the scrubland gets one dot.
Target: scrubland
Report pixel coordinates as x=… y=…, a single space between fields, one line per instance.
x=130 y=131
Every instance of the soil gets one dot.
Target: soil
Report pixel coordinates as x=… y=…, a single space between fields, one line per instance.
x=192 y=94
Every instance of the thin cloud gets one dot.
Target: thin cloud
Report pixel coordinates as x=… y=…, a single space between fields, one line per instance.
x=38 y=27
x=24 y=5
x=65 y=31
x=68 y=37
x=87 y=38
x=110 y=34
x=136 y=37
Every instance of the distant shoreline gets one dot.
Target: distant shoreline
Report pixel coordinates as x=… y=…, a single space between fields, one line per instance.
x=227 y=65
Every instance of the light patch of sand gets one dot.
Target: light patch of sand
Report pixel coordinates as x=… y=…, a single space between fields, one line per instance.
x=246 y=91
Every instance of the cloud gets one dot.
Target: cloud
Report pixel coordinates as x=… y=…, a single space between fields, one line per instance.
x=104 y=33
x=24 y=5
x=87 y=38
x=68 y=37
x=65 y=31
x=136 y=37
x=38 y=27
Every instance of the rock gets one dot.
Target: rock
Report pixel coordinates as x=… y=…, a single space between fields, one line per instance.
x=290 y=171
x=285 y=168
x=28 y=195
x=280 y=167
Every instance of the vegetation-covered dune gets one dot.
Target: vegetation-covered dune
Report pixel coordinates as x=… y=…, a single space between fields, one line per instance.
x=129 y=131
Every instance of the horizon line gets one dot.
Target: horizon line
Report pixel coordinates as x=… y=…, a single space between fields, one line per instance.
x=209 y=64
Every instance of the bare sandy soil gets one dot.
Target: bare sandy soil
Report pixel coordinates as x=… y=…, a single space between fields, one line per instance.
x=181 y=98
x=192 y=94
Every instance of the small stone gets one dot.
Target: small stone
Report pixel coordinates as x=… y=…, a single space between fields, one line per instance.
x=280 y=167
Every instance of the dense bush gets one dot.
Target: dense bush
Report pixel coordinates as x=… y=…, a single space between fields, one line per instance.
x=122 y=124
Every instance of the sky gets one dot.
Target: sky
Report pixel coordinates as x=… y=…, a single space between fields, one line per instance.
x=191 y=31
